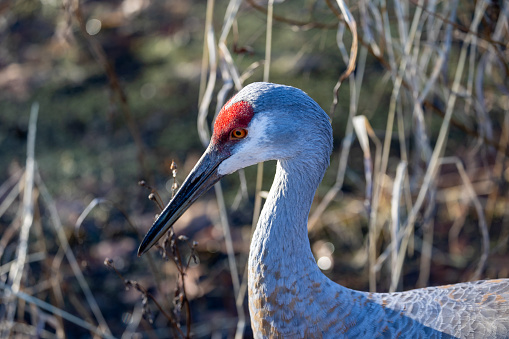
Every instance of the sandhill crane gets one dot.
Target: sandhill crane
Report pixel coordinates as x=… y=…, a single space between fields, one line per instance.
x=288 y=294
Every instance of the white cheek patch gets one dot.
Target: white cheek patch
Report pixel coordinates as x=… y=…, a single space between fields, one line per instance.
x=252 y=150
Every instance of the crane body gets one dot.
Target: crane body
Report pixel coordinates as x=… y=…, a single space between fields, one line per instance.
x=289 y=297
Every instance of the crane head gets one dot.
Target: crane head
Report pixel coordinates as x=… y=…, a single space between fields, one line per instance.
x=262 y=122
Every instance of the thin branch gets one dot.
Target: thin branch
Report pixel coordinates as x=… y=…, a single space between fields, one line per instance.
x=28 y=216
x=101 y=57
x=56 y=311
x=483 y=228
x=64 y=243
x=146 y=295
x=302 y=24
x=395 y=223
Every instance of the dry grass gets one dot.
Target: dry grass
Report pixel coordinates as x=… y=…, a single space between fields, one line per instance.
x=432 y=55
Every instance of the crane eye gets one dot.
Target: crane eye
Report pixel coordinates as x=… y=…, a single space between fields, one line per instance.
x=238 y=133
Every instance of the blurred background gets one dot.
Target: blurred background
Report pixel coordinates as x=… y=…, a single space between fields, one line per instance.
x=96 y=96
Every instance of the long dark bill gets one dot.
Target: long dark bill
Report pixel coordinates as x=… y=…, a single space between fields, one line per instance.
x=203 y=176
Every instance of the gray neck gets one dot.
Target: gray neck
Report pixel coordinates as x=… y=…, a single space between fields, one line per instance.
x=281 y=234
x=283 y=275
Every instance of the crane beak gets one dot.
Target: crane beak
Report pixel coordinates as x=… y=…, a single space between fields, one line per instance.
x=203 y=176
